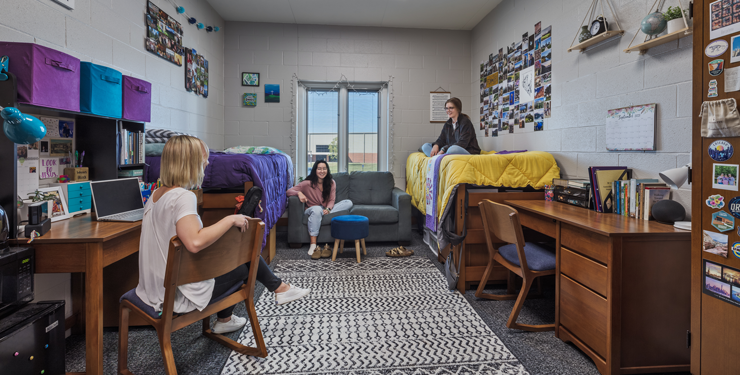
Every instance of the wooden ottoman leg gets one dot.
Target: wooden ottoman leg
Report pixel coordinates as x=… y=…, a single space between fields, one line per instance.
x=364 y=249
x=341 y=246
x=334 y=254
x=357 y=249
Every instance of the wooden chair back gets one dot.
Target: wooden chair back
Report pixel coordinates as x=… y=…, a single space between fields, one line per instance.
x=503 y=222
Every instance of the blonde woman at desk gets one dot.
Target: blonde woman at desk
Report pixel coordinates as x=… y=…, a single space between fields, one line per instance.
x=172 y=210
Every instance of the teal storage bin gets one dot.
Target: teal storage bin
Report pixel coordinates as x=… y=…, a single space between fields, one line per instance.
x=101 y=90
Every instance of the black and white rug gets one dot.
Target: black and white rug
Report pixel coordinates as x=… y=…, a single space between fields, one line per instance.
x=381 y=316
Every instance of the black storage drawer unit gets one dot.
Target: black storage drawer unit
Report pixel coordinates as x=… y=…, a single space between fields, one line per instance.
x=580 y=197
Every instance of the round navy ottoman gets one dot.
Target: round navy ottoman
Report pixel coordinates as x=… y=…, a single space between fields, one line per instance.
x=349 y=228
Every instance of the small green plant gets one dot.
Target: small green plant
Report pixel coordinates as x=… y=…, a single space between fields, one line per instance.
x=300 y=179
x=674 y=12
x=38 y=196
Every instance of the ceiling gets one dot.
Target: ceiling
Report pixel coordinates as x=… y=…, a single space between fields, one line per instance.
x=423 y=14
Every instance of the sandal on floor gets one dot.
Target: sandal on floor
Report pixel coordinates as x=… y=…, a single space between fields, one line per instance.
x=399 y=252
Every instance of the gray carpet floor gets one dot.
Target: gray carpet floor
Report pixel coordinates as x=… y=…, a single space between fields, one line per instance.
x=539 y=352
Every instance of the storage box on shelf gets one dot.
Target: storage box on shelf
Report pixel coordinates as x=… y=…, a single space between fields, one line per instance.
x=101 y=90
x=137 y=99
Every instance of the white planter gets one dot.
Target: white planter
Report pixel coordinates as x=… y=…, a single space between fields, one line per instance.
x=675 y=25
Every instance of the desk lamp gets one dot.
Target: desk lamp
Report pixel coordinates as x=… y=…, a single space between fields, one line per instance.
x=21 y=128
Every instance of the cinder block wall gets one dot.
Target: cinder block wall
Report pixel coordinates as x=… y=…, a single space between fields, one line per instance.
x=111 y=33
x=586 y=85
x=419 y=61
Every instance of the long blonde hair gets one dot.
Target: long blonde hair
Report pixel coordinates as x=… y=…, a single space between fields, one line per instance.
x=183 y=162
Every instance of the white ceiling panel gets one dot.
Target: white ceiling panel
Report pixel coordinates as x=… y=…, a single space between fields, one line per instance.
x=425 y=14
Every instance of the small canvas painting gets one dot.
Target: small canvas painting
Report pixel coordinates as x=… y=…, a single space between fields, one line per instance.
x=249 y=99
x=272 y=93
x=250 y=79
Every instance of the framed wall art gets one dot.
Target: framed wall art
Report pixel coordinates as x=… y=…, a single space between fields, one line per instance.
x=164 y=35
x=250 y=79
x=58 y=205
x=196 y=73
x=249 y=100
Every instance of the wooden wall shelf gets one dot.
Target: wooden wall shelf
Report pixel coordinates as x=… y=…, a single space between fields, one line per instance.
x=601 y=38
x=644 y=47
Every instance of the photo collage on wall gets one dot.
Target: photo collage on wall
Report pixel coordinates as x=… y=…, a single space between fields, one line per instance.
x=164 y=35
x=196 y=73
x=515 y=85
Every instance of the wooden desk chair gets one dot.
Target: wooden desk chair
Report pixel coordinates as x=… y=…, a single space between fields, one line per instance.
x=526 y=259
x=183 y=267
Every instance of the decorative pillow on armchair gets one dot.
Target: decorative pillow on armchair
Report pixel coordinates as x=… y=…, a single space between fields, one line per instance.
x=252 y=150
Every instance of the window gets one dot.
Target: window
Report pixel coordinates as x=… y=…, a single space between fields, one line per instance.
x=343 y=125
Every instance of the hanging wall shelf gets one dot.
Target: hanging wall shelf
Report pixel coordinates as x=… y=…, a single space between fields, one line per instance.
x=656 y=41
x=602 y=37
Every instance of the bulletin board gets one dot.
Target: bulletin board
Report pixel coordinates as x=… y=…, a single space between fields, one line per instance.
x=631 y=128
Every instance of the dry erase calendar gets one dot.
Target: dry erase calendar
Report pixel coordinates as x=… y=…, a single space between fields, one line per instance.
x=631 y=128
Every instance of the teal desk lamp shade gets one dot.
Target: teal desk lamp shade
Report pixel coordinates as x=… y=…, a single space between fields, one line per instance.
x=21 y=128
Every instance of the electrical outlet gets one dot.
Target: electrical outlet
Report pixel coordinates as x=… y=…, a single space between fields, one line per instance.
x=70 y=4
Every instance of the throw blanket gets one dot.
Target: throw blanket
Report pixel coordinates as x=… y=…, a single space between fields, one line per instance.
x=519 y=170
x=430 y=192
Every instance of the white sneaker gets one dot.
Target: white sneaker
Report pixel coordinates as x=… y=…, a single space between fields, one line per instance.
x=291 y=294
x=236 y=323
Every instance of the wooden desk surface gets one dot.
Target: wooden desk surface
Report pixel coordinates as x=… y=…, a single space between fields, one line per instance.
x=603 y=223
x=84 y=230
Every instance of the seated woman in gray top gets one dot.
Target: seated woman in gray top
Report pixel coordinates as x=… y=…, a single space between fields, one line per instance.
x=458 y=134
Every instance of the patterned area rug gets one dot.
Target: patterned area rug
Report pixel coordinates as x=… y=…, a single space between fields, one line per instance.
x=381 y=316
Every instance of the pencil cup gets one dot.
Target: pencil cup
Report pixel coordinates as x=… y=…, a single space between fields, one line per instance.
x=77 y=174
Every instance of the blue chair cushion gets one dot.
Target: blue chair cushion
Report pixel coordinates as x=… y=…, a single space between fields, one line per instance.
x=539 y=258
x=132 y=297
x=350 y=227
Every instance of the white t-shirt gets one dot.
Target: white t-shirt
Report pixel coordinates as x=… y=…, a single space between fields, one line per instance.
x=157 y=228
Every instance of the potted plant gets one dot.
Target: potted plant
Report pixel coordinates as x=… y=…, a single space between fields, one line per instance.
x=674 y=18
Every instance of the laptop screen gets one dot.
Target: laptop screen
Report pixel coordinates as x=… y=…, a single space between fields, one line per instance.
x=115 y=196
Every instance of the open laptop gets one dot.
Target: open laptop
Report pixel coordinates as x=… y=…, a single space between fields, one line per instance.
x=118 y=200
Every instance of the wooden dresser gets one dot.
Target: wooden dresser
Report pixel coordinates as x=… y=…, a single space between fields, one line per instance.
x=622 y=286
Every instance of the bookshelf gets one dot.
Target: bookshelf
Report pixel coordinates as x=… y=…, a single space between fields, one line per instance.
x=96 y=135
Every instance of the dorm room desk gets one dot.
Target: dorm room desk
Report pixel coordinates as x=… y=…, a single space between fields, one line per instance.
x=81 y=245
x=622 y=286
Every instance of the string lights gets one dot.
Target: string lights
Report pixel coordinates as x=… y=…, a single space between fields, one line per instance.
x=192 y=20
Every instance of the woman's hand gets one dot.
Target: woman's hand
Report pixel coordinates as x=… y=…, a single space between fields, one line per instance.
x=435 y=150
x=440 y=152
x=326 y=211
x=240 y=221
x=302 y=197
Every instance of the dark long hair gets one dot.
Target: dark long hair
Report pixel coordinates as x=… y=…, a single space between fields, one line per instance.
x=458 y=104
x=314 y=178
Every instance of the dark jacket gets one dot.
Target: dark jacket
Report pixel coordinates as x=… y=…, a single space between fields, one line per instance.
x=463 y=136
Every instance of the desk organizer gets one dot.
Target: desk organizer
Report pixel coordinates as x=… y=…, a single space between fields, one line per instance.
x=77 y=194
x=101 y=90
x=137 y=99
x=46 y=77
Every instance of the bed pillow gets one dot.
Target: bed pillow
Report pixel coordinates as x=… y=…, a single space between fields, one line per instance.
x=161 y=135
x=252 y=150
x=153 y=149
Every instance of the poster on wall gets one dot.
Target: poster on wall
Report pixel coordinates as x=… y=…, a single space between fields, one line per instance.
x=164 y=35
x=515 y=88
x=196 y=73
x=724 y=18
x=437 y=101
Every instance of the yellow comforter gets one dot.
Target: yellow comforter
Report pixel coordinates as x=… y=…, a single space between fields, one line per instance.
x=533 y=168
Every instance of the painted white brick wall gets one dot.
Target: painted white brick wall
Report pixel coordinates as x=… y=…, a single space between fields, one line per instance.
x=586 y=85
x=419 y=61
x=112 y=33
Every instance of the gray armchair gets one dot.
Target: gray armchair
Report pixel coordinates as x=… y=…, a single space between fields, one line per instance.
x=374 y=196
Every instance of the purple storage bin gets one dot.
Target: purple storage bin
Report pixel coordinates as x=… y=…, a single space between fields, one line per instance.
x=46 y=77
x=137 y=99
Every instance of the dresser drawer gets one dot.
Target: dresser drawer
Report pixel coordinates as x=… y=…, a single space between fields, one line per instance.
x=79 y=194
x=79 y=204
x=73 y=188
x=592 y=245
x=537 y=223
x=583 y=270
x=583 y=313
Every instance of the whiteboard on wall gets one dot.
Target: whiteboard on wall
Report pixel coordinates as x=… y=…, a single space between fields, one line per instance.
x=631 y=128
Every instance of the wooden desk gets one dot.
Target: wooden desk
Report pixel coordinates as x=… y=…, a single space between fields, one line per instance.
x=622 y=286
x=80 y=245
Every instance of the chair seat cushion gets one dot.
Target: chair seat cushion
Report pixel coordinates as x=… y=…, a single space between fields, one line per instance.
x=377 y=214
x=132 y=297
x=326 y=219
x=350 y=227
x=539 y=258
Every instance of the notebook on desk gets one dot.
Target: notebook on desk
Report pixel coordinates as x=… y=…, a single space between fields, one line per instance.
x=117 y=200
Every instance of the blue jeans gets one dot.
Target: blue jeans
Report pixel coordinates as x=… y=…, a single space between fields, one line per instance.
x=316 y=213
x=426 y=148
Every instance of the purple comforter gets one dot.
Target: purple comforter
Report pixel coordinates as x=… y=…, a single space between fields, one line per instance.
x=272 y=172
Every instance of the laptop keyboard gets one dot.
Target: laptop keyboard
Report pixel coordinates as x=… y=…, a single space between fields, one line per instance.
x=135 y=215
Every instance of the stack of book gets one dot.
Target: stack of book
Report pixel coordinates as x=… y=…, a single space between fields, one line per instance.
x=575 y=192
x=132 y=147
x=636 y=197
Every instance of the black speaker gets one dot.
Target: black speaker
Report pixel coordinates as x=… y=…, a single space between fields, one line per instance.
x=668 y=211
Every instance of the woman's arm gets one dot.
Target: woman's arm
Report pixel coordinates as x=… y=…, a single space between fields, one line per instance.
x=441 y=140
x=332 y=195
x=298 y=190
x=196 y=239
